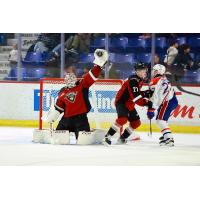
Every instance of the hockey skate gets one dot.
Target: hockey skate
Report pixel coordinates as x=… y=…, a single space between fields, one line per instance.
x=121 y=141
x=166 y=142
x=107 y=140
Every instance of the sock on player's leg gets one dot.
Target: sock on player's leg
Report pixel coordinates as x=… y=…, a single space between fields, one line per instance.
x=167 y=137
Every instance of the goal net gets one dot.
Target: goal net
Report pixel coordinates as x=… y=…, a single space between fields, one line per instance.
x=101 y=95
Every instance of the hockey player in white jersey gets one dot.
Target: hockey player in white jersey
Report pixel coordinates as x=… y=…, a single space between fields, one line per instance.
x=164 y=101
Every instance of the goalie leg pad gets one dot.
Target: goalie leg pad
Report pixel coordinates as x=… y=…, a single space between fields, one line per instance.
x=60 y=137
x=41 y=136
x=86 y=138
x=95 y=136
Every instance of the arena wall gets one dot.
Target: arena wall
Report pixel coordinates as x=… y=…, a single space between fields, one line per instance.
x=20 y=107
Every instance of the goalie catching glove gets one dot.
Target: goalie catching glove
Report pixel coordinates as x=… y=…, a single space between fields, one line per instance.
x=100 y=57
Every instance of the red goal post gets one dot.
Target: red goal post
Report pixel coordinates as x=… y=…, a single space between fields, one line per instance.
x=101 y=94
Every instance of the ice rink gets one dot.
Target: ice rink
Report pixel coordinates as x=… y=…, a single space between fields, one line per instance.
x=16 y=148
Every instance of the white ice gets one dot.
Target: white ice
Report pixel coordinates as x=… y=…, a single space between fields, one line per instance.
x=16 y=148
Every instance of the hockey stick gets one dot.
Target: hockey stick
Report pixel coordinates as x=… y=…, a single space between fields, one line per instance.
x=51 y=128
x=177 y=84
x=150 y=128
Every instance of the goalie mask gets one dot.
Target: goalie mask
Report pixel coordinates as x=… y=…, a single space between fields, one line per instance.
x=70 y=80
x=158 y=69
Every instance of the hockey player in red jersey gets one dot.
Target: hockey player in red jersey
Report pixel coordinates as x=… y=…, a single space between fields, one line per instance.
x=73 y=99
x=126 y=98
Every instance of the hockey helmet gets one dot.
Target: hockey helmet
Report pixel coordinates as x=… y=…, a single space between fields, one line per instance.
x=140 y=66
x=158 y=69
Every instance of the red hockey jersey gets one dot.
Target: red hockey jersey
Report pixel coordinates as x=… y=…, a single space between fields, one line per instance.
x=75 y=101
x=130 y=94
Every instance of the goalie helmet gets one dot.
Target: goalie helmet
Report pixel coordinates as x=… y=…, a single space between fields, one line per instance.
x=158 y=69
x=70 y=80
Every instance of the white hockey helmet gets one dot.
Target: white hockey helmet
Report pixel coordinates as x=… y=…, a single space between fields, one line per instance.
x=158 y=69
x=70 y=80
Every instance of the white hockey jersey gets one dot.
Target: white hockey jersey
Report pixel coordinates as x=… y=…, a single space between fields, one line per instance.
x=162 y=91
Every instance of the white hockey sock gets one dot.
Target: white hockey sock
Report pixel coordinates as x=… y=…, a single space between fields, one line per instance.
x=165 y=129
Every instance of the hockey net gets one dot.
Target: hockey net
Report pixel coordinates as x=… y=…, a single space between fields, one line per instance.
x=101 y=95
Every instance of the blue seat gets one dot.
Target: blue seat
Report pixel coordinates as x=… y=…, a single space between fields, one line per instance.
x=35 y=57
x=35 y=73
x=136 y=45
x=13 y=74
x=192 y=55
x=98 y=42
x=2 y=39
x=118 y=44
x=191 y=77
x=197 y=58
x=161 y=44
x=122 y=58
x=194 y=42
x=125 y=73
x=87 y=58
x=144 y=57
x=181 y=40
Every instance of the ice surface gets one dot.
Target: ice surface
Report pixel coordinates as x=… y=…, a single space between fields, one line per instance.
x=16 y=148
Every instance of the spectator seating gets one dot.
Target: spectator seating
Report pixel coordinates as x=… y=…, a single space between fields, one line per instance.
x=36 y=73
x=2 y=39
x=124 y=49
x=28 y=74
x=122 y=58
x=181 y=40
x=118 y=44
x=194 y=44
x=161 y=44
x=144 y=57
x=35 y=59
x=86 y=58
x=13 y=74
x=136 y=45
x=191 y=77
x=197 y=58
x=192 y=55
x=97 y=43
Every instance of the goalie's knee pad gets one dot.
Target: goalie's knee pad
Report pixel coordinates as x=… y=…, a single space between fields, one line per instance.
x=135 y=124
x=121 y=121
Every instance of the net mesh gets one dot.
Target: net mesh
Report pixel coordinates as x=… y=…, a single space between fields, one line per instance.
x=101 y=95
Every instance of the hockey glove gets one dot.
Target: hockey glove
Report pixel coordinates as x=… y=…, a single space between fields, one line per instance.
x=100 y=57
x=150 y=113
x=147 y=93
